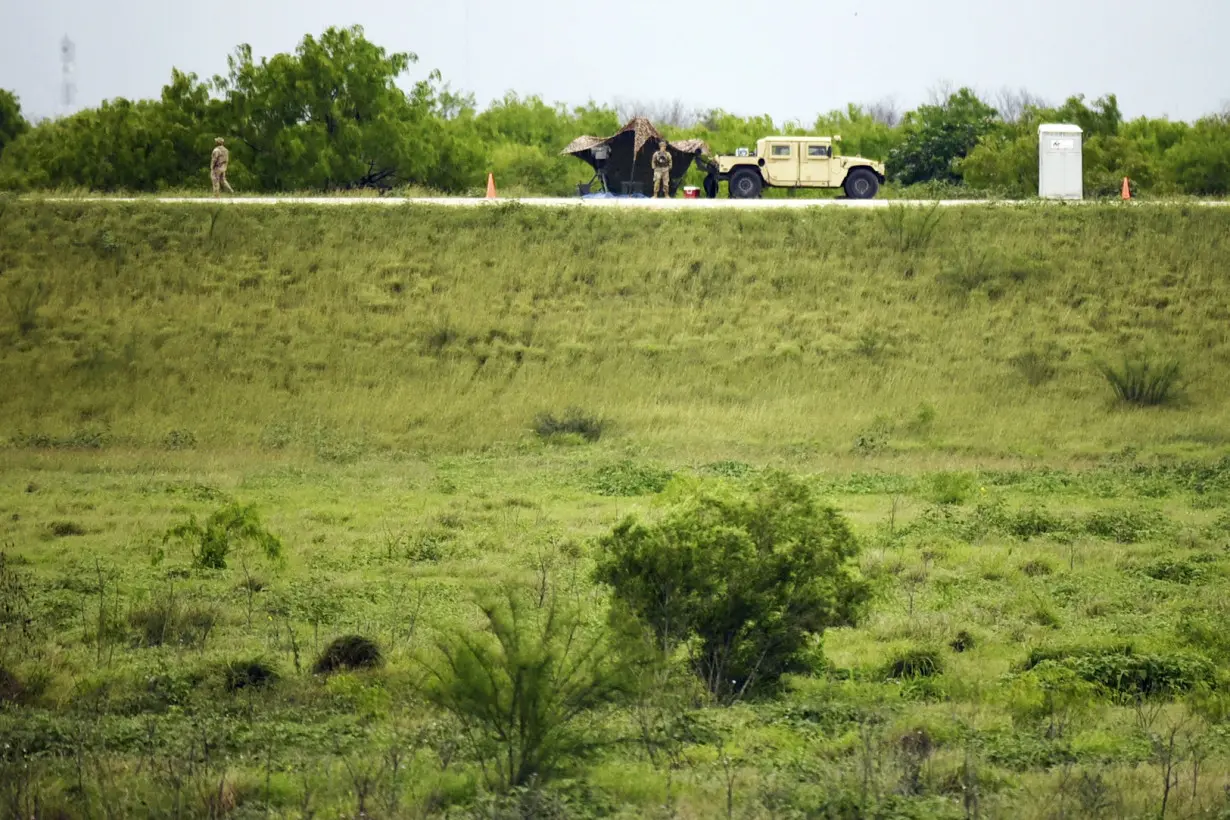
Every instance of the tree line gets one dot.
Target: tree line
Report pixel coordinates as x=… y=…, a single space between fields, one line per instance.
x=331 y=116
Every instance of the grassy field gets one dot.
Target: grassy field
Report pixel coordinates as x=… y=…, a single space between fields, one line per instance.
x=1046 y=635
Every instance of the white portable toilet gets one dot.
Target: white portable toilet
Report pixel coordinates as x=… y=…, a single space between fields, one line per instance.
x=1060 y=170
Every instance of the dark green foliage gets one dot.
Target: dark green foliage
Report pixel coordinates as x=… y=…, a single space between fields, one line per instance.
x=1126 y=526
x=914 y=663
x=964 y=641
x=1174 y=570
x=180 y=440
x=11 y=689
x=254 y=673
x=950 y=488
x=574 y=422
x=1142 y=380
x=627 y=478
x=227 y=528
x=1033 y=522
x=168 y=623
x=1037 y=367
x=523 y=685
x=65 y=529
x=349 y=652
x=12 y=123
x=728 y=469
x=1121 y=673
x=938 y=136
x=1037 y=567
x=749 y=579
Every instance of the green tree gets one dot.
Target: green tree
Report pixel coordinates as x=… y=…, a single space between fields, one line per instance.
x=937 y=137
x=861 y=133
x=523 y=685
x=747 y=583
x=1200 y=163
x=12 y=123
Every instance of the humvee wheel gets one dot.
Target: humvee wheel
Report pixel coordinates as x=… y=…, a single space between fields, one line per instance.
x=861 y=184
x=745 y=184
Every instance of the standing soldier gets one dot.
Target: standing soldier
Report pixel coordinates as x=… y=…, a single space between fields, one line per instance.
x=217 y=167
x=662 y=163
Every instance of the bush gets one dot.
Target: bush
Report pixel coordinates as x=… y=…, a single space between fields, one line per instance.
x=1126 y=526
x=1123 y=674
x=950 y=488
x=166 y=622
x=628 y=478
x=66 y=529
x=1142 y=380
x=179 y=440
x=1175 y=571
x=914 y=663
x=962 y=642
x=522 y=685
x=748 y=581
x=573 y=422
x=228 y=527
x=254 y=673
x=1033 y=522
x=1037 y=567
x=349 y=652
x=1036 y=367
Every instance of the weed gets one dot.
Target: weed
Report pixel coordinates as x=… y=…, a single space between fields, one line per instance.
x=24 y=303
x=65 y=529
x=1126 y=526
x=1037 y=568
x=909 y=230
x=627 y=478
x=253 y=673
x=963 y=642
x=950 y=488
x=914 y=663
x=229 y=527
x=166 y=622
x=349 y=652
x=1143 y=380
x=1037 y=367
x=574 y=422
x=179 y=440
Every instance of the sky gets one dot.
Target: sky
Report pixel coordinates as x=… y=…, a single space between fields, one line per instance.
x=791 y=59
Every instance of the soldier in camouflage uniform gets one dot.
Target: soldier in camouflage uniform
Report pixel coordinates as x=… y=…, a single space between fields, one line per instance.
x=217 y=167
x=662 y=163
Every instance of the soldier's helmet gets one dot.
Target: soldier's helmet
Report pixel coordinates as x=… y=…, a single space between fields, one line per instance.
x=219 y=140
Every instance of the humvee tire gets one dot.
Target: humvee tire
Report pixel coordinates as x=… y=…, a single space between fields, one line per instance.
x=745 y=184
x=861 y=184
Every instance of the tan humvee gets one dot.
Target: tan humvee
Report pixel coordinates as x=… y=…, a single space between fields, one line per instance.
x=793 y=162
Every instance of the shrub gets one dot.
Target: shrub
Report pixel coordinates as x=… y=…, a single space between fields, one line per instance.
x=1178 y=572
x=963 y=642
x=179 y=440
x=573 y=422
x=628 y=478
x=254 y=673
x=1142 y=380
x=11 y=689
x=1036 y=567
x=66 y=529
x=24 y=304
x=950 y=488
x=1123 y=674
x=746 y=580
x=166 y=622
x=1035 y=366
x=1032 y=522
x=349 y=652
x=228 y=527
x=522 y=685
x=914 y=663
x=1125 y=526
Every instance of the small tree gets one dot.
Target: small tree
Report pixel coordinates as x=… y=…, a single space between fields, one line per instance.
x=229 y=527
x=937 y=136
x=522 y=685
x=747 y=583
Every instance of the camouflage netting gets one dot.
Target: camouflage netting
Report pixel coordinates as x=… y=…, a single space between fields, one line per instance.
x=628 y=162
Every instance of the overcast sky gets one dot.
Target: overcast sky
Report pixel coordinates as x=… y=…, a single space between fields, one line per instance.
x=787 y=58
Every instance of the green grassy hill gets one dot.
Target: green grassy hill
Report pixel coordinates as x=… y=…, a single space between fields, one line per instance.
x=1048 y=565
x=427 y=330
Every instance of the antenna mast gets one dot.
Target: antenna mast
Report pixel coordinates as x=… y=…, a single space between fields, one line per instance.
x=68 y=68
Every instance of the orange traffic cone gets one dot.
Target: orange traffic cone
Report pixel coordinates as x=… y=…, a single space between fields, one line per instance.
x=1127 y=191
x=490 y=186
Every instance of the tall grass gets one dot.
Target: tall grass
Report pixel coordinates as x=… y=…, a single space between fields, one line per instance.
x=415 y=328
x=1143 y=380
